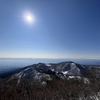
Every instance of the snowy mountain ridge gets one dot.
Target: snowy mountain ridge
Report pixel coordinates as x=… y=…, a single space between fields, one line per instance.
x=60 y=70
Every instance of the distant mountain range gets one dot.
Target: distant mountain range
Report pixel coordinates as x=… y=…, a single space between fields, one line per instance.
x=40 y=70
x=37 y=71
x=63 y=80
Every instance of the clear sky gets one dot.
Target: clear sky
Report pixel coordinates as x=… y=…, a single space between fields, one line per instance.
x=59 y=28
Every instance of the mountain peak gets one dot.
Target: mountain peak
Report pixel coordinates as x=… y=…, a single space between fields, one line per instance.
x=61 y=70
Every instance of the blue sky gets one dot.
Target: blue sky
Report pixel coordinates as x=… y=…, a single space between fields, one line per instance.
x=62 y=29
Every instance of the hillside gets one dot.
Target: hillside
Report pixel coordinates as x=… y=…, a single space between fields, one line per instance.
x=62 y=81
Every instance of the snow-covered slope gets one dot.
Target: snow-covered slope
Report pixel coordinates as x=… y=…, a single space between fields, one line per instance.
x=70 y=68
x=40 y=70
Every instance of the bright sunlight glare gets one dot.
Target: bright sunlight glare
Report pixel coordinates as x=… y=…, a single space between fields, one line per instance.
x=28 y=17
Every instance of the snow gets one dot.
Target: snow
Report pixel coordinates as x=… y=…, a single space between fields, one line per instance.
x=44 y=83
x=86 y=81
x=64 y=72
x=26 y=69
x=70 y=77
x=19 y=78
x=48 y=65
x=94 y=97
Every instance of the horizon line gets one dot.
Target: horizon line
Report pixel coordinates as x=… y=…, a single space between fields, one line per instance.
x=47 y=58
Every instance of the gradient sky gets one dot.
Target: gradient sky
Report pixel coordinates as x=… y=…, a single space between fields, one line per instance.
x=62 y=29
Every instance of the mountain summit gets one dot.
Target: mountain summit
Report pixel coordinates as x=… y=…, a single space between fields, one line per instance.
x=40 y=70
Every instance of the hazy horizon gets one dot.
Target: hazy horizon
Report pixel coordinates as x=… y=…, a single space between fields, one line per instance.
x=8 y=64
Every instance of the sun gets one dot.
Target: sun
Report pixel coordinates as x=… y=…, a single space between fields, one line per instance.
x=29 y=17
